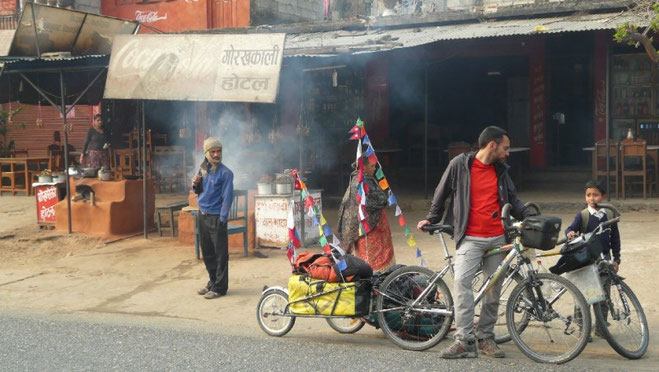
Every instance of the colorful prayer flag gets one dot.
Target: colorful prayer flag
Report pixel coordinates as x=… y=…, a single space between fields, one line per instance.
x=322 y=241
x=411 y=242
x=384 y=184
x=392 y=199
x=335 y=240
x=322 y=220
x=341 y=264
x=398 y=211
x=379 y=174
x=401 y=220
x=418 y=252
x=315 y=220
x=327 y=250
x=373 y=159
x=366 y=140
x=327 y=230
x=290 y=253
x=423 y=263
x=304 y=194
x=369 y=151
x=407 y=231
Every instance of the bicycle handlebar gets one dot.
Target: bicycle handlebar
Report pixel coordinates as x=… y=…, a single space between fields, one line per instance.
x=534 y=206
x=616 y=212
x=505 y=218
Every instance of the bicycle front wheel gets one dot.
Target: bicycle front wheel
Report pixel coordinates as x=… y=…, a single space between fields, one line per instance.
x=557 y=324
x=346 y=325
x=417 y=327
x=621 y=320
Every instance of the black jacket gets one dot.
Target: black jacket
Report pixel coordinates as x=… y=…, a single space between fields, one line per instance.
x=455 y=187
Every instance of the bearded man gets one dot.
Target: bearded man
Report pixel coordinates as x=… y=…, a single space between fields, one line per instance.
x=478 y=186
x=214 y=185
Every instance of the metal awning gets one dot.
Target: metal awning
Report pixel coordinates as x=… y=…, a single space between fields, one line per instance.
x=79 y=71
x=44 y=29
x=366 y=41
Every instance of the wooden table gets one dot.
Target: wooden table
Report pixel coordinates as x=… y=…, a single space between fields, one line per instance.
x=25 y=162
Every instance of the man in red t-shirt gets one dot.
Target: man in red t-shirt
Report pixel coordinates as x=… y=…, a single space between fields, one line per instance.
x=478 y=185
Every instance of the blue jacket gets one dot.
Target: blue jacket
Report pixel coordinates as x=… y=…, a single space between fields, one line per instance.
x=216 y=191
x=610 y=239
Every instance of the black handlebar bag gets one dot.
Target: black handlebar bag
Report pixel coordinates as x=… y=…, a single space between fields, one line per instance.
x=577 y=255
x=540 y=232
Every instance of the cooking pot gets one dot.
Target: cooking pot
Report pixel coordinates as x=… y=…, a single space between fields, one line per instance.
x=88 y=172
x=104 y=174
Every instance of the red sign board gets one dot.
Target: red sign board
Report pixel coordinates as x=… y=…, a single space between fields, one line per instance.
x=47 y=197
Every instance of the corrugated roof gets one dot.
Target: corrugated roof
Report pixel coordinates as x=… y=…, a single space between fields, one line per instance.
x=355 y=42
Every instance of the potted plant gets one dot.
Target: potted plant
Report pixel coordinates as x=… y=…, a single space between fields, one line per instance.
x=264 y=185
x=283 y=184
x=45 y=176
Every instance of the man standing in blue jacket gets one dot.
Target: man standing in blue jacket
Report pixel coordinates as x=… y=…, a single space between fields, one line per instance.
x=214 y=185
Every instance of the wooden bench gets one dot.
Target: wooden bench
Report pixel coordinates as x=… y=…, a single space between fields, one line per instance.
x=170 y=208
x=237 y=221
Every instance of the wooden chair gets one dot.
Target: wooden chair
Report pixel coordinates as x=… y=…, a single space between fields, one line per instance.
x=633 y=157
x=55 y=160
x=599 y=161
x=122 y=163
x=14 y=182
x=457 y=148
x=237 y=222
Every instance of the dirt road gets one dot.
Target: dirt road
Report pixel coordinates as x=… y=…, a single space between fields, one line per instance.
x=157 y=278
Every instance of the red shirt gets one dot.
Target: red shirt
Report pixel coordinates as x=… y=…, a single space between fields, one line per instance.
x=484 y=201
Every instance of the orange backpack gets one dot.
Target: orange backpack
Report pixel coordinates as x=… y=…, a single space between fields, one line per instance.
x=317 y=265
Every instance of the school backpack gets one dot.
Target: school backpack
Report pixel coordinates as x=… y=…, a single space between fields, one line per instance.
x=585 y=215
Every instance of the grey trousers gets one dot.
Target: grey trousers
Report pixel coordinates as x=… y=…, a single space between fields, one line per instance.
x=469 y=257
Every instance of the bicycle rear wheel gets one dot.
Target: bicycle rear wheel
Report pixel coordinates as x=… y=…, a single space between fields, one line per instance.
x=413 y=327
x=346 y=325
x=623 y=324
x=557 y=331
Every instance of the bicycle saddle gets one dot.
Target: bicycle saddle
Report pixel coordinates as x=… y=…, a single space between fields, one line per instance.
x=438 y=228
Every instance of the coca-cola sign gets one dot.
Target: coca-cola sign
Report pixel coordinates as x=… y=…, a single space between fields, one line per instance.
x=148 y=16
x=230 y=68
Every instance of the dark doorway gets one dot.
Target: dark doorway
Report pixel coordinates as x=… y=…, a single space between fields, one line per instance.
x=570 y=114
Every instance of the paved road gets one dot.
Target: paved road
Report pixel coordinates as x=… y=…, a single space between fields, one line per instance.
x=77 y=342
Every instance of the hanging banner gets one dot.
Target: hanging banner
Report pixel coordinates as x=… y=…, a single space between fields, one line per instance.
x=228 y=68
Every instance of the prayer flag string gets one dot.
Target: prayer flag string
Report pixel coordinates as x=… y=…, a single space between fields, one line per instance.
x=358 y=133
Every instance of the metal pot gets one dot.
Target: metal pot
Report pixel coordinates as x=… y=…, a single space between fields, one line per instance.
x=45 y=179
x=264 y=188
x=59 y=177
x=88 y=172
x=104 y=174
x=283 y=188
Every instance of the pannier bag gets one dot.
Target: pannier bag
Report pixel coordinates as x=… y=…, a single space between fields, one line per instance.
x=578 y=253
x=309 y=296
x=540 y=232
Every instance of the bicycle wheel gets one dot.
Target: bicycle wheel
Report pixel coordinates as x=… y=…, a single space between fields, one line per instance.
x=346 y=325
x=413 y=327
x=557 y=331
x=501 y=334
x=623 y=324
x=271 y=313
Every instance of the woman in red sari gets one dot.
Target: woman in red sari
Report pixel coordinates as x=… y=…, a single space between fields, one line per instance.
x=375 y=247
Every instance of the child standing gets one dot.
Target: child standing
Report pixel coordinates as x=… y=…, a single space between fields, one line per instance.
x=588 y=219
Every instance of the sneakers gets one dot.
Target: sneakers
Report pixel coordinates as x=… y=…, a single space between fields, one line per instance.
x=203 y=291
x=211 y=295
x=490 y=348
x=459 y=350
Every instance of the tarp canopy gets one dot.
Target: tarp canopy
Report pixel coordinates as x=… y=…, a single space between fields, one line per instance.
x=227 y=68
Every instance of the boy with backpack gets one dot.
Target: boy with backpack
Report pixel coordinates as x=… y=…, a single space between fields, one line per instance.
x=586 y=221
x=590 y=217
